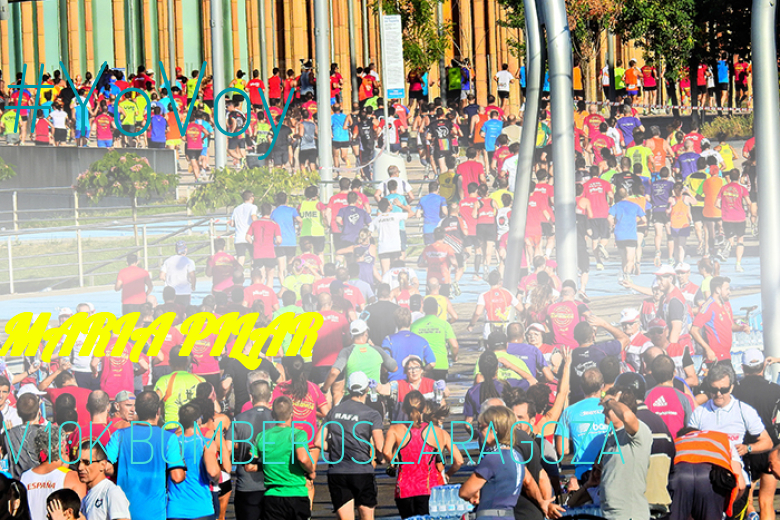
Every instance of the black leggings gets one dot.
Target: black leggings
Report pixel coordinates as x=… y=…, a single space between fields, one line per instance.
x=412 y=506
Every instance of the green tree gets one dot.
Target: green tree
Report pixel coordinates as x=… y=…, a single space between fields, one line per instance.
x=227 y=186
x=425 y=40
x=588 y=19
x=6 y=170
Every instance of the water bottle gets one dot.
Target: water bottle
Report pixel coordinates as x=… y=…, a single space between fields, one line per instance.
x=372 y=389
x=438 y=390
x=452 y=498
x=394 y=391
x=4 y=466
x=434 y=503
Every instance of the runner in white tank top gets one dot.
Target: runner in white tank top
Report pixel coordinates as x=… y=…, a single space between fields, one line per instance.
x=40 y=486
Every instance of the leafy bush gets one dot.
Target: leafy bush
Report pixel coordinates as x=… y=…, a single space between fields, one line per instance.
x=123 y=175
x=227 y=186
x=6 y=170
x=733 y=127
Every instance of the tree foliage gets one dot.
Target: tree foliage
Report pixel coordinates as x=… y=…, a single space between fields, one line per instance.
x=227 y=186
x=425 y=40
x=120 y=174
x=664 y=29
x=6 y=170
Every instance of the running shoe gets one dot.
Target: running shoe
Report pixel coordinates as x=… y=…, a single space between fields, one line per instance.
x=603 y=251
x=600 y=266
x=739 y=268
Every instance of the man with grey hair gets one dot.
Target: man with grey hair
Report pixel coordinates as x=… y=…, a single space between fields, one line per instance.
x=250 y=488
x=404 y=188
x=725 y=413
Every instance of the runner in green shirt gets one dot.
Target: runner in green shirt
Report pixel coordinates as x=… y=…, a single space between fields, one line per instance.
x=439 y=335
x=178 y=387
x=286 y=494
x=509 y=366
x=288 y=300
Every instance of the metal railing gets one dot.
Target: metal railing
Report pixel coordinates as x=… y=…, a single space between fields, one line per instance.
x=90 y=253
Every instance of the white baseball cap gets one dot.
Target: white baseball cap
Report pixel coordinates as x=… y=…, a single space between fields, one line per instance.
x=683 y=268
x=753 y=358
x=65 y=311
x=357 y=382
x=629 y=315
x=29 y=388
x=358 y=327
x=665 y=270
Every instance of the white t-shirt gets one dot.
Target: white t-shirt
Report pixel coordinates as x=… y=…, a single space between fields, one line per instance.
x=59 y=119
x=714 y=153
x=510 y=167
x=10 y=415
x=403 y=186
x=614 y=133
x=605 y=76
x=504 y=78
x=80 y=363
x=176 y=269
x=242 y=219
x=106 y=501
x=388 y=226
x=391 y=276
x=502 y=221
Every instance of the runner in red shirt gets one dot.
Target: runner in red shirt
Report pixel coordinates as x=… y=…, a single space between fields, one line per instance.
x=598 y=141
x=194 y=145
x=264 y=234
x=438 y=258
x=538 y=212
x=254 y=86
x=599 y=192
x=275 y=87
x=135 y=284
x=694 y=136
x=716 y=320
x=466 y=212
x=331 y=338
x=336 y=202
x=470 y=171
x=259 y=291
x=564 y=315
x=496 y=303
x=220 y=267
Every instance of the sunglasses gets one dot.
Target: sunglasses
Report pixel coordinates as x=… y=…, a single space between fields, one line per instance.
x=720 y=391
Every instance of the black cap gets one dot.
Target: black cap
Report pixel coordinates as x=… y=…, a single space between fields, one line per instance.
x=633 y=381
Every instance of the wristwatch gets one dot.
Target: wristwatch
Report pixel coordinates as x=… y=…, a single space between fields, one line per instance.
x=750 y=448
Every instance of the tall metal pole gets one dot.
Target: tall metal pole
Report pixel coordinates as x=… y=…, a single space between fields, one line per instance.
x=384 y=75
x=263 y=42
x=534 y=70
x=131 y=57
x=611 y=68
x=325 y=141
x=172 y=43
x=443 y=82
x=274 y=62
x=218 y=70
x=766 y=128
x=352 y=51
x=559 y=51
x=364 y=6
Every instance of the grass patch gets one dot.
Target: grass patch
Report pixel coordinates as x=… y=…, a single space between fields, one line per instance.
x=734 y=127
x=40 y=264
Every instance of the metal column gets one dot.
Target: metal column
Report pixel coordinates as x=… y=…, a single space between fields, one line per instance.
x=263 y=42
x=443 y=81
x=766 y=128
x=352 y=56
x=534 y=69
x=325 y=141
x=218 y=71
x=172 y=44
x=559 y=52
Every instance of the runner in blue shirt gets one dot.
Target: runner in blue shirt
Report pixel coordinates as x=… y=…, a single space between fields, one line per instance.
x=157 y=129
x=351 y=219
x=146 y=456
x=286 y=216
x=686 y=162
x=405 y=343
x=432 y=207
x=625 y=215
x=340 y=136
x=491 y=130
x=191 y=498
x=627 y=124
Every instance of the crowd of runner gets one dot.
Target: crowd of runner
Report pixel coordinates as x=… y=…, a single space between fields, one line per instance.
x=692 y=442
